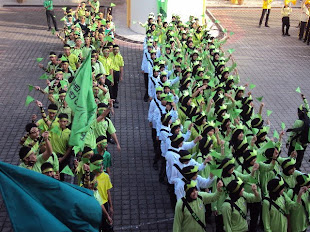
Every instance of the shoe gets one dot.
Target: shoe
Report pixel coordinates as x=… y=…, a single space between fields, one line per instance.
x=305 y=41
x=300 y=38
x=49 y=29
x=267 y=26
x=116 y=102
x=288 y=34
x=114 y=106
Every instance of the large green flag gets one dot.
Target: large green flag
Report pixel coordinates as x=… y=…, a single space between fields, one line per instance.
x=80 y=99
x=162 y=7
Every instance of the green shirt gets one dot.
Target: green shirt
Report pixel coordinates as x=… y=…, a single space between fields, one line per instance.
x=48 y=4
x=37 y=166
x=184 y=221
x=104 y=126
x=60 y=141
x=298 y=219
x=274 y=220
x=233 y=221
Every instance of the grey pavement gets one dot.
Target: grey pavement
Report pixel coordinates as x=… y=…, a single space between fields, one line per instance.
x=275 y=64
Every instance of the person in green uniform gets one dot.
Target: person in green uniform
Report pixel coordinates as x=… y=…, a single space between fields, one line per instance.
x=190 y=211
x=51 y=120
x=276 y=206
x=234 y=208
x=49 y=10
x=47 y=169
x=299 y=217
x=30 y=160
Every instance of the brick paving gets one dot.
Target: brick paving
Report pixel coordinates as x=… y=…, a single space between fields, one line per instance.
x=275 y=64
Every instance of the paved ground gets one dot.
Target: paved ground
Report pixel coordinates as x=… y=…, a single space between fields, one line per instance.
x=275 y=64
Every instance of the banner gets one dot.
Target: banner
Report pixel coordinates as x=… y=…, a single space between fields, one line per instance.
x=36 y=202
x=162 y=7
x=80 y=99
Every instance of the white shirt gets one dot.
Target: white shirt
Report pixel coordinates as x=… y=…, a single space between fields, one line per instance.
x=202 y=183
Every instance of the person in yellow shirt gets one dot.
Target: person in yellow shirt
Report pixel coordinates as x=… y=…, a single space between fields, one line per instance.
x=286 y=12
x=117 y=66
x=266 y=8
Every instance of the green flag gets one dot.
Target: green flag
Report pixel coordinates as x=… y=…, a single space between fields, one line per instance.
x=276 y=134
x=112 y=4
x=29 y=99
x=215 y=171
x=39 y=59
x=269 y=112
x=80 y=99
x=230 y=51
x=259 y=98
x=43 y=77
x=216 y=21
x=30 y=88
x=110 y=78
x=232 y=33
x=298 y=90
x=67 y=171
x=225 y=30
x=53 y=31
x=252 y=86
x=298 y=147
x=283 y=125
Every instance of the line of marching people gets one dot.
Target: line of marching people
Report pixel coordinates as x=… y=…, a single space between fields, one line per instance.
x=87 y=32
x=212 y=149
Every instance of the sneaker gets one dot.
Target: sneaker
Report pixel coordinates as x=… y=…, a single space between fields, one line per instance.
x=288 y=34
x=267 y=26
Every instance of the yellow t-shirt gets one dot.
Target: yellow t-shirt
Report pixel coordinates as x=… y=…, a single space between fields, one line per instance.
x=73 y=60
x=267 y=4
x=107 y=64
x=60 y=141
x=104 y=184
x=117 y=61
x=44 y=127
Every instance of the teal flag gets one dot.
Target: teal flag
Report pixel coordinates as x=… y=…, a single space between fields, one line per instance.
x=80 y=99
x=36 y=202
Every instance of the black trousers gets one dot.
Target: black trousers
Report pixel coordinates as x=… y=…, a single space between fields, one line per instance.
x=307 y=31
x=114 y=88
x=105 y=226
x=300 y=155
x=302 y=29
x=255 y=210
x=263 y=15
x=63 y=164
x=146 y=84
x=51 y=15
x=219 y=223
x=285 y=23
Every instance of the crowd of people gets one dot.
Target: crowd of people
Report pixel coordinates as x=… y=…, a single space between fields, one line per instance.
x=286 y=12
x=87 y=33
x=212 y=147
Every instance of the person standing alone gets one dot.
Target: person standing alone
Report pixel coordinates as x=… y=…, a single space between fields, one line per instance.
x=266 y=7
x=48 y=5
x=286 y=12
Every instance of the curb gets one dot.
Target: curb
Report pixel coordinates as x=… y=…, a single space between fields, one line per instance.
x=122 y=38
x=222 y=34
